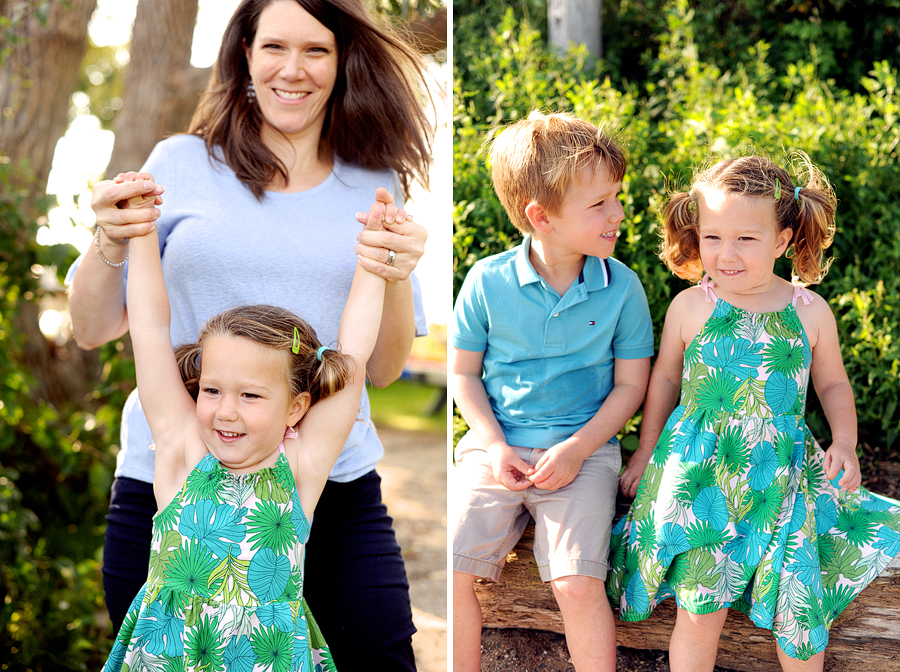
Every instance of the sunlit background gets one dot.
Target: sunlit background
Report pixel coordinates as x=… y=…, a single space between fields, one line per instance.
x=83 y=153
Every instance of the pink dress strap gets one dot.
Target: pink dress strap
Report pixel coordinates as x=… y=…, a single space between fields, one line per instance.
x=707 y=285
x=289 y=433
x=801 y=293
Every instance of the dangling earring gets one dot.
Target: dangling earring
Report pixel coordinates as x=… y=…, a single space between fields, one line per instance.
x=251 y=92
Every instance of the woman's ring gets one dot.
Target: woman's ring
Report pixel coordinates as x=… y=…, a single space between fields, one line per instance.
x=390 y=259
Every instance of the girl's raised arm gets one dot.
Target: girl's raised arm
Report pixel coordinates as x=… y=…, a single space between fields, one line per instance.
x=327 y=425
x=165 y=400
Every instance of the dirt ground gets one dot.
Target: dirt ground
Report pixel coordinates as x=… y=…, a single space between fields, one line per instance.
x=414 y=486
x=535 y=651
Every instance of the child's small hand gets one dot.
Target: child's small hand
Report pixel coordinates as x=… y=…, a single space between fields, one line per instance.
x=556 y=468
x=840 y=457
x=394 y=248
x=374 y=218
x=385 y=210
x=634 y=472
x=510 y=470
x=149 y=199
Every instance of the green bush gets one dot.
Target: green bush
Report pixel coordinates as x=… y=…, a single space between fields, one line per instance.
x=55 y=471
x=684 y=112
x=841 y=38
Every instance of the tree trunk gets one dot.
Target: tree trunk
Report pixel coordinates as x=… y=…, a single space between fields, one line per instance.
x=866 y=636
x=161 y=86
x=578 y=21
x=37 y=78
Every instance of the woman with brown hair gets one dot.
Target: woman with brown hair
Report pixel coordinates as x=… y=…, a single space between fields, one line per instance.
x=312 y=106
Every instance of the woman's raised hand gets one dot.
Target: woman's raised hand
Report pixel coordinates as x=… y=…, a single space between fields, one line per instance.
x=120 y=205
x=394 y=251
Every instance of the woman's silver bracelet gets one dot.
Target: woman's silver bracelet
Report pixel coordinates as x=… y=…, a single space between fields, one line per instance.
x=103 y=256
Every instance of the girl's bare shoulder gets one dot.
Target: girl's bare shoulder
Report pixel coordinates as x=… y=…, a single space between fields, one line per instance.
x=816 y=317
x=816 y=305
x=690 y=298
x=688 y=312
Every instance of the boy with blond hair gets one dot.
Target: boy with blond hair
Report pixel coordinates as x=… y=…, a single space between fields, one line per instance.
x=550 y=358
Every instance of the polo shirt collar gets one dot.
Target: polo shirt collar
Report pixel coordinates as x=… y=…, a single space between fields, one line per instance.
x=596 y=273
x=524 y=270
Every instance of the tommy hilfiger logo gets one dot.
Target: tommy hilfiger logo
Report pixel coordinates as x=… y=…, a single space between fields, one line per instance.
x=592 y=323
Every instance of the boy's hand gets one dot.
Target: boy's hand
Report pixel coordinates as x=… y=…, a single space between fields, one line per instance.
x=510 y=470
x=841 y=457
x=148 y=199
x=634 y=472
x=556 y=469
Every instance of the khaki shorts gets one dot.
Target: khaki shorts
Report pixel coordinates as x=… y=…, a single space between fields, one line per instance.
x=572 y=524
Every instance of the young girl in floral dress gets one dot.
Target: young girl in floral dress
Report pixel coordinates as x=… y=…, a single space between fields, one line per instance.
x=247 y=423
x=737 y=505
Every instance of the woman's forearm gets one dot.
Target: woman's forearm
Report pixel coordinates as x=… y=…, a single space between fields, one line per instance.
x=97 y=297
x=395 y=336
x=97 y=294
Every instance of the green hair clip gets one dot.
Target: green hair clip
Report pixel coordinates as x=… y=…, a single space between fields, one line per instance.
x=295 y=346
x=777 y=189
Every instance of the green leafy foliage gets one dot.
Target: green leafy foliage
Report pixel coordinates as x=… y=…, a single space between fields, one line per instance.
x=697 y=103
x=55 y=469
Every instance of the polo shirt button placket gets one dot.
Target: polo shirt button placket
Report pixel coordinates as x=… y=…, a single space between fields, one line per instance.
x=553 y=334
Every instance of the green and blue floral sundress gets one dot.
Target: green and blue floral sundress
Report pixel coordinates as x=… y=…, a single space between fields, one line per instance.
x=734 y=509
x=225 y=585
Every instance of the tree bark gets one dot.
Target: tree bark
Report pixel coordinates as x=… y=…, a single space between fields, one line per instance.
x=162 y=88
x=578 y=21
x=37 y=78
x=866 y=636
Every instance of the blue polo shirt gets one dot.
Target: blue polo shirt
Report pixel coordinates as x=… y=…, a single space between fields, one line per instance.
x=549 y=360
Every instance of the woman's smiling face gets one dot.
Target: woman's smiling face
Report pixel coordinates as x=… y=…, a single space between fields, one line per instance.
x=293 y=64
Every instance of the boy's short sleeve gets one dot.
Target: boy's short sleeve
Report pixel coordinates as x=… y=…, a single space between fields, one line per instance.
x=633 y=337
x=470 y=314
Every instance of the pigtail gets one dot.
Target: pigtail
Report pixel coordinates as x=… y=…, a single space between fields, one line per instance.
x=814 y=224
x=187 y=357
x=315 y=369
x=680 y=248
x=332 y=374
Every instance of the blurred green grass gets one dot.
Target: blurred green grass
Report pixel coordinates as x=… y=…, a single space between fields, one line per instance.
x=407 y=404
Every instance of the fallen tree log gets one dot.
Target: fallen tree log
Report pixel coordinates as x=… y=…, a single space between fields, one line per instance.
x=866 y=636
